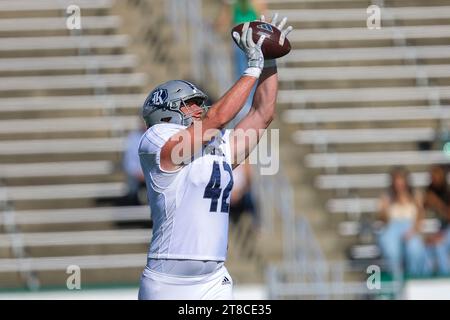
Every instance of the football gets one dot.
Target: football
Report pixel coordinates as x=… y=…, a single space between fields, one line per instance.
x=274 y=46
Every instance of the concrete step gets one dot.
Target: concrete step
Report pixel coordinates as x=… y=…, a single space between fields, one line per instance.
x=113 y=83
x=52 y=271
x=66 y=64
x=56 y=26
x=347 y=4
x=21 y=6
x=309 y=204
x=62 y=45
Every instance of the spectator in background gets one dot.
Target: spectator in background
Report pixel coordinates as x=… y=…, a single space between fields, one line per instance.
x=241 y=195
x=402 y=212
x=132 y=167
x=232 y=13
x=437 y=202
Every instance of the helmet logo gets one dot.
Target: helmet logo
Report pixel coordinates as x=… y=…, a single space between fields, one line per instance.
x=159 y=96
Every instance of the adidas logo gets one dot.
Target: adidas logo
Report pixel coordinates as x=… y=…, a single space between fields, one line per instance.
x=226 y=281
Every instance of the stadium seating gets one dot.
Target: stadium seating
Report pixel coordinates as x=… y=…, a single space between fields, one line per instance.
x=357 y=101
x=17 y=47
x=29 y=218
x=377 y=158
x=68 y=100
x=104 y=103
x=338 y=136
x=370 y=54
x=50 y=5
x=67 y=63
x=46 y=169
x=353 y=102
x=384 y=114
x=372 y=180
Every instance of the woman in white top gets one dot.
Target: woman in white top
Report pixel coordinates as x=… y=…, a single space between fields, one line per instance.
x=400 y=240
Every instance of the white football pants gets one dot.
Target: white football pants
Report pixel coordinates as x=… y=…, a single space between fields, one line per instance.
x=213 y=286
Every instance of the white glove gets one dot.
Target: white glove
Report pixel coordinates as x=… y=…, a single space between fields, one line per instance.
x=252 y=51
x=269 y=63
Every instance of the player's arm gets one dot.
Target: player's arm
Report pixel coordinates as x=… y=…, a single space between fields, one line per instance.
x=180 y=148
x=250 y=129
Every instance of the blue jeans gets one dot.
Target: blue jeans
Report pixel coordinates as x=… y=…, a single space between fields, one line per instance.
x=439 y=253
x=399 y=252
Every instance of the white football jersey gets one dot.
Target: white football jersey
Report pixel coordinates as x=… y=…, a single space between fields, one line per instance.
x=189 y=206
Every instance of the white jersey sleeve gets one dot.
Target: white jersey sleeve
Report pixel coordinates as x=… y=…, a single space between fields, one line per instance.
x=150 y=152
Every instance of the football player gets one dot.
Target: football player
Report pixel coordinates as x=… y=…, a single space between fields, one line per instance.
x=187 y=158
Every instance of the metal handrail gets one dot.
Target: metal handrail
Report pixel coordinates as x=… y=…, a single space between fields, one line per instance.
x=16 y=239
x=296 y=280
x=304 y=271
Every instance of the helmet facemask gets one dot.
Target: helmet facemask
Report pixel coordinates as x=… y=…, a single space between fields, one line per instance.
x=187 y=118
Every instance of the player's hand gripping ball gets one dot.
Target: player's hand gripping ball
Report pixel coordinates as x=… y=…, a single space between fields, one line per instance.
x=275 y=44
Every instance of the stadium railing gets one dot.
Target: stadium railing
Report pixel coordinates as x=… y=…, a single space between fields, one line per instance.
x=209 y=54
x=305 y=272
